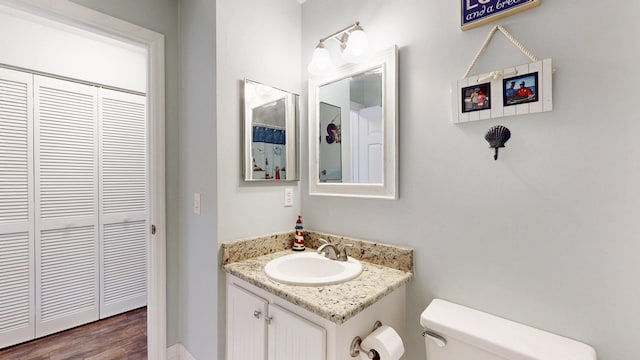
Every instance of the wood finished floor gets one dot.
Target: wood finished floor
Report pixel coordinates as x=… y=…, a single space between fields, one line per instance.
x=122 y=336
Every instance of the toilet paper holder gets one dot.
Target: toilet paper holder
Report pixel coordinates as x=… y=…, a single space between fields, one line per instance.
x=355 y=344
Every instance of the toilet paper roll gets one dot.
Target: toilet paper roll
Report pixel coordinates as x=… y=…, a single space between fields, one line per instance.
x=386 y=341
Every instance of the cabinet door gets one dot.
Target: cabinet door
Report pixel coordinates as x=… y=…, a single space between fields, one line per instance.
x=17 y=298
x=294 y=338
x=66 y=204
x=124 y=229
x=246 y=326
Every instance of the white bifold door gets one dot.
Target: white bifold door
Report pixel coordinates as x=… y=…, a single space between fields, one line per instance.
x=73 y=204
x=17 y=291
x=123 y=202
x=66 y=169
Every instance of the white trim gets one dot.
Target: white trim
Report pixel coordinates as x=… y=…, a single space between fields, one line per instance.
x=75 y=15
x=179 y=352
x=173 y=352
x=65 y=78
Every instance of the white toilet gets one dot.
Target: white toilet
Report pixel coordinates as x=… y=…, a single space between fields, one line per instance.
x=454 y=332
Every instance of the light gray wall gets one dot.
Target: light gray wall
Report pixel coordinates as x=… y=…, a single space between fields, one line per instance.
x=548 y=234
x=160 y=16
x=198 y=173
x=258 y=40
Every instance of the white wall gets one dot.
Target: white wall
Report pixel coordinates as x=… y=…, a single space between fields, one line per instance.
x=160 y=16
x=70 y=52
x=258 y=40
x=548 y=234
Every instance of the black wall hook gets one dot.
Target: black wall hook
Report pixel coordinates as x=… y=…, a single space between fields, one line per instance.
x=497 y=136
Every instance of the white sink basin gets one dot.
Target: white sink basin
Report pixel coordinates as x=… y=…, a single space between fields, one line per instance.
x=312 y=269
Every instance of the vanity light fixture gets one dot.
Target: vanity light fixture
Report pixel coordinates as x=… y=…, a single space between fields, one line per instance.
x=353 y=43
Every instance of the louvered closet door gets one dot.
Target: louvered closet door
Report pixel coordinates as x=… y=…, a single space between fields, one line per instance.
x=66 y=216
x=123 y=201
x=17 y=298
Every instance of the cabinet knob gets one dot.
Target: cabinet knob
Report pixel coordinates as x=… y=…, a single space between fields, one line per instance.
x=268 y=319
x=257 y=313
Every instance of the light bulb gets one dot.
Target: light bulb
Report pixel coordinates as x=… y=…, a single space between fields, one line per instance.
x=320 y=60
x=357 y=47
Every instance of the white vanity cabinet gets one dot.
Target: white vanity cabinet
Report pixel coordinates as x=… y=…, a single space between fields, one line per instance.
x=257 y=329
x=261 y=325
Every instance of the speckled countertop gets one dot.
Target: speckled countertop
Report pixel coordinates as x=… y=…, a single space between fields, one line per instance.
x=337 y=303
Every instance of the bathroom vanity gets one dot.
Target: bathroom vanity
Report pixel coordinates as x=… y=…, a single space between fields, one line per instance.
x=271 y=320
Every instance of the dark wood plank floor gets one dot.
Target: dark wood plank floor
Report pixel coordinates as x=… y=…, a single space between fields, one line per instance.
x=119 y=337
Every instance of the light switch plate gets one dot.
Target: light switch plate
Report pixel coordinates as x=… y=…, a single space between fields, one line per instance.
x=288 y=197
x=196 y=203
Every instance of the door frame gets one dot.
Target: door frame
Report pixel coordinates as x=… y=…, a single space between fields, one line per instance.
x=90 y=20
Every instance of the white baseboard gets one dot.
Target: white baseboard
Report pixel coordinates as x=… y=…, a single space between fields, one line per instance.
x=178 y=352
x=173 y=352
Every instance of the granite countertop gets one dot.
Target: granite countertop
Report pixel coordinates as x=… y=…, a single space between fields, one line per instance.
x=337 y=303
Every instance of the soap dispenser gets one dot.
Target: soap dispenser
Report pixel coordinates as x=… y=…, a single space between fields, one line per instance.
x=298 y=240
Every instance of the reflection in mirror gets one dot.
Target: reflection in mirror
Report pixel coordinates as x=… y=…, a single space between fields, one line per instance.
x=352 y=131
x=271 y=117
x=350 y=148
x=331 y=146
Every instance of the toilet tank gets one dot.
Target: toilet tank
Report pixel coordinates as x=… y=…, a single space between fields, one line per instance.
x=471 y=334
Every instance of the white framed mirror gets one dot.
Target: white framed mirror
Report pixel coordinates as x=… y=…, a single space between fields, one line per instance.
x=270 y=133
x=352 y=129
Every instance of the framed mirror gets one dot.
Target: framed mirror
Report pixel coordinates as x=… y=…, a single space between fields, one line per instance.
x=352 y=130
x=270 y=133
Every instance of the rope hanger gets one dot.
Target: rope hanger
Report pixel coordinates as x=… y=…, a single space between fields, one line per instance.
x=511 y=38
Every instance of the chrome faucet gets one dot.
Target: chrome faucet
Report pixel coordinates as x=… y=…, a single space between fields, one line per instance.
x=331 y=251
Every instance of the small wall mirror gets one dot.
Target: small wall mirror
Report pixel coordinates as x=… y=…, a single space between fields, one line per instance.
x=352 y=130
x=270 y=133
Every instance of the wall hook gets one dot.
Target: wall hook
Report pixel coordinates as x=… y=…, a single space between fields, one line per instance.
x=497 y=136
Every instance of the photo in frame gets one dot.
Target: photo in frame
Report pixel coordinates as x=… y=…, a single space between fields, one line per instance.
x=476 y=97
x=537 y=77
x=520 y=89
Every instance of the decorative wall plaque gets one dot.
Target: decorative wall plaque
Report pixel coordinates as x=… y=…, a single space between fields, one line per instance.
x=474 y=13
